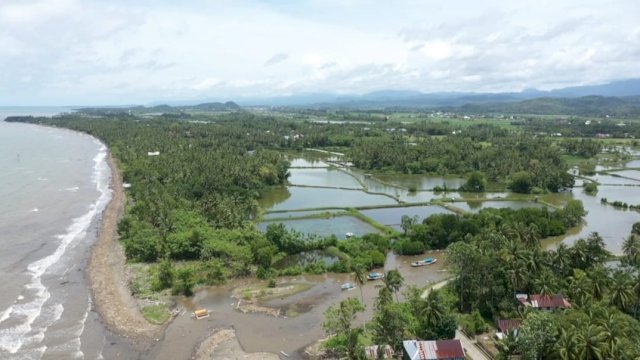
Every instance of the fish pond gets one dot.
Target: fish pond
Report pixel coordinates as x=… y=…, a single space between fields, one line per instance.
x=384 y=198
x=338 y=226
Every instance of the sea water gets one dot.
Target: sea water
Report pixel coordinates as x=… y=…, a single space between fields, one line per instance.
x=54 y=184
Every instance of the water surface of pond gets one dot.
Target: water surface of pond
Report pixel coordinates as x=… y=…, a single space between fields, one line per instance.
x=421 y=182
x=392 y=216
x=635 y=174
x=306 y=258
x=476 y=206
x=295 y=214
x=304 y=163
x=613 y=225
x=322 y=177
x=297 y=198
x=338 y=226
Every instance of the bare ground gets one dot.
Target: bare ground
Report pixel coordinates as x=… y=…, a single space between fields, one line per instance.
x=223 y=344
x=107 y=274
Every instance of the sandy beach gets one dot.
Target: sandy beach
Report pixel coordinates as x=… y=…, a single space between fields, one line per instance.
x=112 y=298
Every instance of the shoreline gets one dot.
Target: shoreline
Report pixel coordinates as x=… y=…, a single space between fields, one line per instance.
x=106 y=273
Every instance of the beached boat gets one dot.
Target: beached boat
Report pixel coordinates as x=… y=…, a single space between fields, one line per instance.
x=375 y=276
x=347 y=286
x=427 y=261
x=201 y=314
x=349 y=234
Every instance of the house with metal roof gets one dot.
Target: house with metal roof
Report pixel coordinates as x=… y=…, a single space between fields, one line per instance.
x=433 y=350
x=507 y=326
x=545 y=302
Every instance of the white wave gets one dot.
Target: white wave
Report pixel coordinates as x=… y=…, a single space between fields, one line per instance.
x=25 y=313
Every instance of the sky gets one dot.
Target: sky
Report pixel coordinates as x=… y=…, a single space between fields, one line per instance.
x=109 y=52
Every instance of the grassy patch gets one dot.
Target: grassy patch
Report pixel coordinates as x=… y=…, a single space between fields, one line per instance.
x=156 y=314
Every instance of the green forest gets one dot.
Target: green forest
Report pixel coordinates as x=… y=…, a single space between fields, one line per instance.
x=192 y=209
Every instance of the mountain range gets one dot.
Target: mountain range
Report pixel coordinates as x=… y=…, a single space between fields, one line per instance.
x=417 y=99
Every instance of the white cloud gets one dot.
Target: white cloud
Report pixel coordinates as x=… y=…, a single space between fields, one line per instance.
x=100 y=51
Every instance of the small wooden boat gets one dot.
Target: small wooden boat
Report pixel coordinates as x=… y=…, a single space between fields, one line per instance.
x=347 y=286
x=201 y=314
x=427 y=261
x=375 y=276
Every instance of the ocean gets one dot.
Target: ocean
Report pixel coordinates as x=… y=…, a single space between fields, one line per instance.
x=54 y=184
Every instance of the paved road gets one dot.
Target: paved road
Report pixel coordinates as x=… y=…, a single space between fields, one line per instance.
x=471 y=350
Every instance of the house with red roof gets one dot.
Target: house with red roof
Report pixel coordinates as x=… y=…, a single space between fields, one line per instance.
x=545 y=302
x=507 y=326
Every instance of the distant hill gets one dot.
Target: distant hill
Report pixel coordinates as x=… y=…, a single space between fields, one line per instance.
x=582 y=106
x=164 y=109
x=415 y=99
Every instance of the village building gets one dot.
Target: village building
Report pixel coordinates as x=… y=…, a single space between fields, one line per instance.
x=432 y=350
x=545 y=302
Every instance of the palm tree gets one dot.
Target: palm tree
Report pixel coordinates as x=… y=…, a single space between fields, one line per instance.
x=432 y=310
x=507 y=346
x=590 y=343
x=564 y=347
x=631 y=249
x=360 y=277
x=545 y=283
x=599 y=277
x=610 y=329
x=636 y=294
x=561 y=259
x=393 y=280
x=621 y=290
x=579 y=287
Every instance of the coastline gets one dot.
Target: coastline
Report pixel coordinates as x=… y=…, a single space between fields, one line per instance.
x=106 y=274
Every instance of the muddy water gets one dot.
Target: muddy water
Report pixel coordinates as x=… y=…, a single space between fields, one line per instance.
x=259 y=332
x=614 y=225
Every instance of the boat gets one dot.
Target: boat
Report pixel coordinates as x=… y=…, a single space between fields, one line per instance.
x=375 y=276
x=349 y=234
x=427 y=261
x=201 y=314
x=347 y=286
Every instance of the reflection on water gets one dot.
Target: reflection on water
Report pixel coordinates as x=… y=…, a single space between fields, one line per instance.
x=393 y=216
x=322 y=177
x=306 y=258
x=309 y=198
x=476 y=206
x=423 y=182
x=293 y=214
x=612 y=180
x=630 y=174
x=633 y=164
x=612 y=224
x=302 y=163
x=338 y=226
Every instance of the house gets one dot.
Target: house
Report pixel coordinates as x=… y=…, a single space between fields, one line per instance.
x=507 y=326
x=371 y=352
x=545 y=302
x=432 y=350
